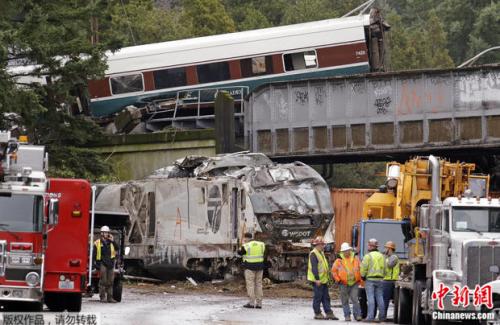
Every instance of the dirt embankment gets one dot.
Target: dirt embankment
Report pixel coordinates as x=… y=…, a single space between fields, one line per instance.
x=236 y=287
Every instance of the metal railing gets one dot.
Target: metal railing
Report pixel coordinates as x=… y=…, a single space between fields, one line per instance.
x=193 y=98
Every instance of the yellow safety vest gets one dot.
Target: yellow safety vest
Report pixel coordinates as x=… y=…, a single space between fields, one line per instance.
x=373 y=265
x=323 y=269
x=254 y=252
x=98 y=245
x=391 y=273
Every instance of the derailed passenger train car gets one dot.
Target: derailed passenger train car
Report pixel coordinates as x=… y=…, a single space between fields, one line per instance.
x=192 y=216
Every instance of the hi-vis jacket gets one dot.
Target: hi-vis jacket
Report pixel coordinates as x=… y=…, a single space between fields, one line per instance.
x=98 y=253
x=346 y=270
x=372 y=266
x=323 y=269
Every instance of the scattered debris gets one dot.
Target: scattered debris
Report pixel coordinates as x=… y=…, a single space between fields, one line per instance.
x=141 y=278
x=193 y=282
x=127 y=119
x=236 y=287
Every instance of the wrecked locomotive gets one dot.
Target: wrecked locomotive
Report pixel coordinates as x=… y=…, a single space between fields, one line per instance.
x=192 y=216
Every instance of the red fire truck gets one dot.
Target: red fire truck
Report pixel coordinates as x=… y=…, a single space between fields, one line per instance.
x=44 y=231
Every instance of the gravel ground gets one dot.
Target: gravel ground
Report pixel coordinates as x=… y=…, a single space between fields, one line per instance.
x=142 y=306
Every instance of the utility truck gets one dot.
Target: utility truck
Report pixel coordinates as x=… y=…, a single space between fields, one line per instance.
x=447 y=232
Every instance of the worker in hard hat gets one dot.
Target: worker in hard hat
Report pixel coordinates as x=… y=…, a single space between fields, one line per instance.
x=346 y=272
x=391 y=273
x=318 y=273
x=253 y=256
x=105 y=256
x=372 y=270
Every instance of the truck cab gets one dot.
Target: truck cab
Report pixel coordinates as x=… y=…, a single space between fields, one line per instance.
x=43 y=231
x=381 y=229
x=470 y=226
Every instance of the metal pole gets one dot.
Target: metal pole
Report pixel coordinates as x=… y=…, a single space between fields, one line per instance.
x=473 y=59
x=361 y=8
x=436 y=179
x=91 y=255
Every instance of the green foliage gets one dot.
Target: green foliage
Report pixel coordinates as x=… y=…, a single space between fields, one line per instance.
x=418 y=47
x=355 y=175
x=307 y=10
x=140 y=22
x=52 y=39
x=73 y=162
x=248 y=17
x=486 y=32
x=206 y=17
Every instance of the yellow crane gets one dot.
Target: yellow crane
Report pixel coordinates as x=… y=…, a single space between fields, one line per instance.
x=408 y=185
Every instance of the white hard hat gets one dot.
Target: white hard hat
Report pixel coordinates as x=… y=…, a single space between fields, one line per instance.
x=373 y=242
x=104 y=229
x=345 y=247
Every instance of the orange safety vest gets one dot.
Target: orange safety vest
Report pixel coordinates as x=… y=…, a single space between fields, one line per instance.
x=342 y=267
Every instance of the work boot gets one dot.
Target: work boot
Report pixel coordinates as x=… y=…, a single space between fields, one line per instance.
x=102 y=298
x=319 y=316
x=249 y=305
x=359 y=318
x=348 y=319
x=331 y=316
x=112 y=301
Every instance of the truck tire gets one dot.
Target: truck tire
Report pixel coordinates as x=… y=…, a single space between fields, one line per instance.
x=35 y=306
x=404 y=306
x=54 y=302
x=74 y=302
x=417 y=316
x=395 y=317
x=117 y=288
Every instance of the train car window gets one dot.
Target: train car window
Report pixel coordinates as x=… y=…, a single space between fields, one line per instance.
x=169 y=78
x=256 y=66
x=300 y=60
x=127 y=84
x=152 y=214
x=213 y=72
x=243 y=197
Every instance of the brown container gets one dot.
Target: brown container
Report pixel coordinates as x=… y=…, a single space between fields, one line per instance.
x=348 y=206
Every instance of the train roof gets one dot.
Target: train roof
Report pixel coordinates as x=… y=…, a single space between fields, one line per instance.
x=238 y=45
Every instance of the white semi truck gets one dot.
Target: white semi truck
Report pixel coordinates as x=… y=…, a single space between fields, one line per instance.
x=457 y=244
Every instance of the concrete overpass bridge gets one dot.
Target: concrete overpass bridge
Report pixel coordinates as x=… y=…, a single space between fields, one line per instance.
x=383 y=116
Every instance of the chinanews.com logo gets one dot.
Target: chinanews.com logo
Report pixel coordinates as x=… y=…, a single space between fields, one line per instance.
x=460 y=298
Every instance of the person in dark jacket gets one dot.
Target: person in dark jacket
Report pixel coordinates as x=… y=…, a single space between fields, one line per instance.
x=318 y=273
x=104 y=258
x=252 y=252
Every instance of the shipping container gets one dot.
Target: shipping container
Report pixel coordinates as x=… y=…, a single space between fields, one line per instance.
x=348 y=208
